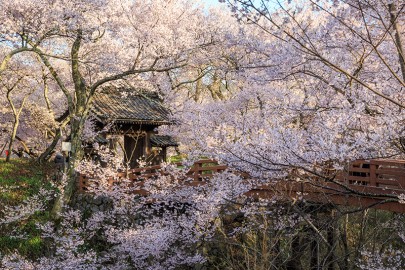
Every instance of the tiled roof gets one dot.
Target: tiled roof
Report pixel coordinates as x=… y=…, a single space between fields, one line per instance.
x=133 y=107
x=163 y=141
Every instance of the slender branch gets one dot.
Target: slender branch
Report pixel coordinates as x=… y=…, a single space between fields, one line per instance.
x=126 y=73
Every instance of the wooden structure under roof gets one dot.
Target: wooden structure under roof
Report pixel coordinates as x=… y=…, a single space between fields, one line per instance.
x=134 y=116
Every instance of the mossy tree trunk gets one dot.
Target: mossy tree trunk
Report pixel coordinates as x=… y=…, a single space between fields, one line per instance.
x=78 y=113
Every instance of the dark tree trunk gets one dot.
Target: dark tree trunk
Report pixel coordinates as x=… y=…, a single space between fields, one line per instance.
x=47 y=153
x=314 y=246
x=295 y=260
x=330 y=259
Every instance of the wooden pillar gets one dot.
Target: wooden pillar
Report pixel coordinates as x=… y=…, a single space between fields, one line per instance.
x=164 y=154
x=129 y=144
x=134 y=149
x=147 y=147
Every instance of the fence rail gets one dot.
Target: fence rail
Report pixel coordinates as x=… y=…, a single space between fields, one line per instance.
x=199 y=172
x=378 y=177
x=381 y=173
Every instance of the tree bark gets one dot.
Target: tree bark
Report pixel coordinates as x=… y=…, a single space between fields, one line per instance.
x=294 y=263
x=75 y=156
x=346 y=251
x=64 y=120
x=12 y=139
x=78 y=115
x=47 y=153
x=397 y=28
x=330 y=259
x=314 y=246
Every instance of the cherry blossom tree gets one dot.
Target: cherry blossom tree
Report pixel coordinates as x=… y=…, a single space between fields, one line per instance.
x=86 y=45
x=19 y=86
x=326 y=88
x=295 y=91
x=166 y=228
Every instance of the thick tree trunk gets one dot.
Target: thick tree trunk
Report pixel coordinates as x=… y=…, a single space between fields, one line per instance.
x=75 y=156
x=12 y=139
x=215 y=88
x=78 y=115
x=74 y=159
x=398 y=39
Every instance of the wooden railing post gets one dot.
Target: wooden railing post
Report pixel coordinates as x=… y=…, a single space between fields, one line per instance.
x=197 y=167
x=401 y=182
x=373 y=175
x=80 y=186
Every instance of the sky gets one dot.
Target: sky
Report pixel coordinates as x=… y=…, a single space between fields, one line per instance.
x=211 y=3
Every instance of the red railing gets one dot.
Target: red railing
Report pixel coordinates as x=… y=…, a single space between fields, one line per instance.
x=378 y=177
x=381 y=173
x=201 y=171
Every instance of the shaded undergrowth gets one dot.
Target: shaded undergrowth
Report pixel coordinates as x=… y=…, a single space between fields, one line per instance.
x=20 y=179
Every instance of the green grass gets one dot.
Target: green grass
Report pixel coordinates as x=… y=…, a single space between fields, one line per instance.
x=19 y=180
x=33 y=246
x=22 y=178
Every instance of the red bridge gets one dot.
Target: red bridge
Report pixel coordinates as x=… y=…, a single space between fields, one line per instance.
x=377 y=183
